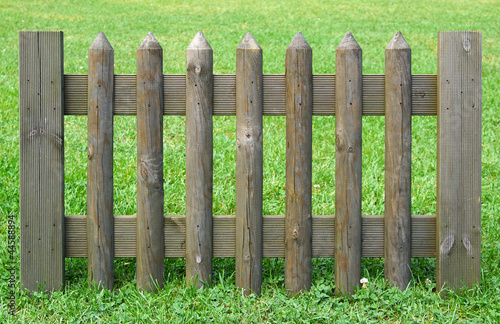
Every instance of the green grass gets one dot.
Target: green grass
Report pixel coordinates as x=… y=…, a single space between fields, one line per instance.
x=273 y=24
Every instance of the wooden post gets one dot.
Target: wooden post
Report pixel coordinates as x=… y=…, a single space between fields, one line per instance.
x=348 y=108
x=397 y=238
x=100 y=240
x=298 y=226
x=458 y=241
x=41 y=164
x=199 y=161
x=249 y=167
x=150 y=194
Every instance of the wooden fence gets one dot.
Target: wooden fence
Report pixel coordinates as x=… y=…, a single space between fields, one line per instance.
x=48 y=236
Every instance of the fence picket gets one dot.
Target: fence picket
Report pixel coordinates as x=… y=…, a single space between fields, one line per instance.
x=349 y=92
x=398 y=102
x=100 y=221
x=150 y=194
x=298 y=225
x=199 y=160
x=249 y=165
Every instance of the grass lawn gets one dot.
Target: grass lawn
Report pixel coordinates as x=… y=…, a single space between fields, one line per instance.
x=273 y=24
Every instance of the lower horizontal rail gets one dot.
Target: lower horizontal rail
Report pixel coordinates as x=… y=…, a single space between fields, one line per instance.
x=323 y=245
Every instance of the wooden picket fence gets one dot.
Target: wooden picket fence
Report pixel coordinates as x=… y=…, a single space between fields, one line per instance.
x=48 y=236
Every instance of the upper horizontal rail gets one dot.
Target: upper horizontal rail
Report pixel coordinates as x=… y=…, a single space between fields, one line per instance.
x=424 y=94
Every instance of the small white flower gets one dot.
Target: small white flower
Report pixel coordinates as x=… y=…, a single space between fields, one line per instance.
x=428 y=281
x=316 y=186
x=364 y=281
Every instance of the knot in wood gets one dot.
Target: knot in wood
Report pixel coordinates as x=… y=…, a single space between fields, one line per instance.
x=197 y=69
x=198 y=259
x=466 y=44
x=295 y=234
x=90 y=152
x=350 y=149
x=144 y=172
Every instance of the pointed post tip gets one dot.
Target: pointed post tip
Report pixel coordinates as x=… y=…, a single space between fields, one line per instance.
x=398 y=42
x=249 y=42
x=348 y=42
x=199 y=42
x=150 y=42
x=299 y=42
x=101 y=43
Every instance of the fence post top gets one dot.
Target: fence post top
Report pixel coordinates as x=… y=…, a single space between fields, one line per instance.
x=149 y=42
x=398 y=42
x=299 y=42
x=101 y=43
x=199 y=42
x=249 y=42
x=348 y=42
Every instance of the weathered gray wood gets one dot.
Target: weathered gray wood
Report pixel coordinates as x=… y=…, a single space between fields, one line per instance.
x=458 y=262
x=150 y=194
x=249 y=165
x=423 y=236
x=398 y=101
x=349 y=97
x=100 y=239
x=41 y=137
x=199 y=161
x=424 y=94
x=298 y=226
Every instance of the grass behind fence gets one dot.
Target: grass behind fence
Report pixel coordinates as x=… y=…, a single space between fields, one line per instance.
x=273 y=24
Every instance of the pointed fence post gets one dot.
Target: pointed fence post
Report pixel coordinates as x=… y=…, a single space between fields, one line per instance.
x=41 y=159
x=100 y=238
x=398 y=99
x=150 y=194
x=458 y=241
x=298 y=224
x=199 y=161
x=249 y=167
x=348 y=113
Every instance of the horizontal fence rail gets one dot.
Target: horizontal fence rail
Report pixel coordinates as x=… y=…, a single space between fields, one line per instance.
x=424 y=94
x=48 y=235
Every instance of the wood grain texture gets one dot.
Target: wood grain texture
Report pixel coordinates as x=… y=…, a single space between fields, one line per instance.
x=458 y=262
x=41 y=164
x=199 y=161
x=349 y=97
x=298 y=226
x=100 y=163
x=150 y=194
x=398 y=102
x=424 y=94
x=224 y=229
x=249 y=166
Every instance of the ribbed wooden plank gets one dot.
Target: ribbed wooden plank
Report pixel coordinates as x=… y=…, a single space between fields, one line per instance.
x=423 y=236
x=298 y=227
x=458 y=262
x=249 y=166
x=100 y=163
x=150 y=195
x=349 y=82
x=398 y=106
x=41 y=137
x=424 y=94
x=199 y=161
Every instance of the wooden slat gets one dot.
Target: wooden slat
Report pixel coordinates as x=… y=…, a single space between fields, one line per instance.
x=323 y=228
x=458 y=261
x=349 y=82
x=100 y=163
x=424 y=94
x=150 y=195
x=398 y=100
x=298 y=227
x=249 y=166
x=41 y=137
x=199 y=161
